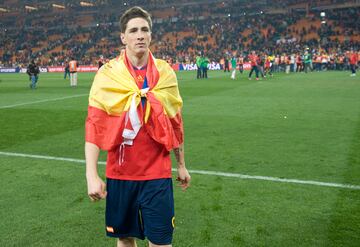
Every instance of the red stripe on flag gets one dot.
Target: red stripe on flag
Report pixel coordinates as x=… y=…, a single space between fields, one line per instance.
x=102 y=129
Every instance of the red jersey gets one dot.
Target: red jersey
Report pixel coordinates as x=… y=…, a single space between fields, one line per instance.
x=267 y=63
x=353 y=58
x=298 y=60
x=253 y=60
x=146 y=159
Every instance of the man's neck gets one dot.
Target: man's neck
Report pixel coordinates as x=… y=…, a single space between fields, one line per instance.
x=138 y=60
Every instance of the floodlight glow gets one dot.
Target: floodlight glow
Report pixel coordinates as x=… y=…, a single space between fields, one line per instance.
x=58 y=6
x=30 y=7
x=322 y=14
x=86 y=4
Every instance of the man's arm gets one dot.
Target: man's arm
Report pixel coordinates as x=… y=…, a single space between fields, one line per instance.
x=96 y=186
x=183 y=174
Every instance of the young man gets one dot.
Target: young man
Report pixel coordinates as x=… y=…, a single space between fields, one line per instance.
x=135 y=114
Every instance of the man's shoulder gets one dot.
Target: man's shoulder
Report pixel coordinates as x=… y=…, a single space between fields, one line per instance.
x=161 y=63
x=111 y=64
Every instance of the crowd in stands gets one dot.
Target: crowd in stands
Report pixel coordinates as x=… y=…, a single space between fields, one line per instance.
x=182 y=30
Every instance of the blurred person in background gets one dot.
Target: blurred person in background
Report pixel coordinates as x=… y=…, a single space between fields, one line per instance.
x=33 y=72
x=100 y=61
x=66 y=70
x=226 y=64
x=233 y=67
x=73 y=72
x=204 y=65
x=198 y=65
x=353 y=61
x=307 y=62
x=241 y=63
x=254 y=59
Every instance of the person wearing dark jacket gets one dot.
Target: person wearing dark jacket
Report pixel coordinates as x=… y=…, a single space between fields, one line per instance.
x=33 y=72
x=67 y=70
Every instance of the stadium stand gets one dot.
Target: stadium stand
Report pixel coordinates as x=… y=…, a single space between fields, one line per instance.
x=180 y=31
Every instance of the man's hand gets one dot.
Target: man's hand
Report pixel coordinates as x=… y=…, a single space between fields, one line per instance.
x=96 y=188
x=183 y=177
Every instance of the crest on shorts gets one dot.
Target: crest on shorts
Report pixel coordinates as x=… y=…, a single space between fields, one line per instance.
x=173 y=221
x=110 y=229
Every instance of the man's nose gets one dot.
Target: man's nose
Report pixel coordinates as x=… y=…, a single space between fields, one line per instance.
x=140 y=35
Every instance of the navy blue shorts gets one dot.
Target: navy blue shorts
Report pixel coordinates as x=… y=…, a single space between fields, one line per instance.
x=140 y=209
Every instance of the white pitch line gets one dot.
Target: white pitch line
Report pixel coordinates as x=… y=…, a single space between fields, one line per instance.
x=42 y=101
x=211 y=173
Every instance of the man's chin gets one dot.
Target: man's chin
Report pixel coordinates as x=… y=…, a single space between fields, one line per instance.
x=141 y=51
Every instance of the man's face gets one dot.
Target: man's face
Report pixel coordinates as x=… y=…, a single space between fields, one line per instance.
x=137 y=36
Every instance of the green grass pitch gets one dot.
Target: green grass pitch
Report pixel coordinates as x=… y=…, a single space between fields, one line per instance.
x=298 y=126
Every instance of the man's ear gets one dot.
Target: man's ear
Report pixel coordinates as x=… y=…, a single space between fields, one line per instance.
x=122 y=37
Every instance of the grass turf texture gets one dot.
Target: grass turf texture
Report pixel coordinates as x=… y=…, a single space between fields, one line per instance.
x=231 y=126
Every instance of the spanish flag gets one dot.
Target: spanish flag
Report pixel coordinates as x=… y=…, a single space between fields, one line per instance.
x=114 y=118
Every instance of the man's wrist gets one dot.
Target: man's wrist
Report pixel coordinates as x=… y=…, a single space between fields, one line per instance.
x=91 y=174
x=181 y=164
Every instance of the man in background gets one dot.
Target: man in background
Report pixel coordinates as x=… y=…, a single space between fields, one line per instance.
x=100 y=61
x=198 y=65
x=233 y=67
x=204 y=65
x=353 y=60
x=307 y=62
x=254 y=61
x=226 y=64
x=241 y=63
x=73 y=72
x=33 y=72
x=67 y=70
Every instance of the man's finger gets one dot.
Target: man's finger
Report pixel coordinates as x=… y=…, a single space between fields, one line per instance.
x=95 y=196
x=103 y=194
x=184 y=184
x=92 y=198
